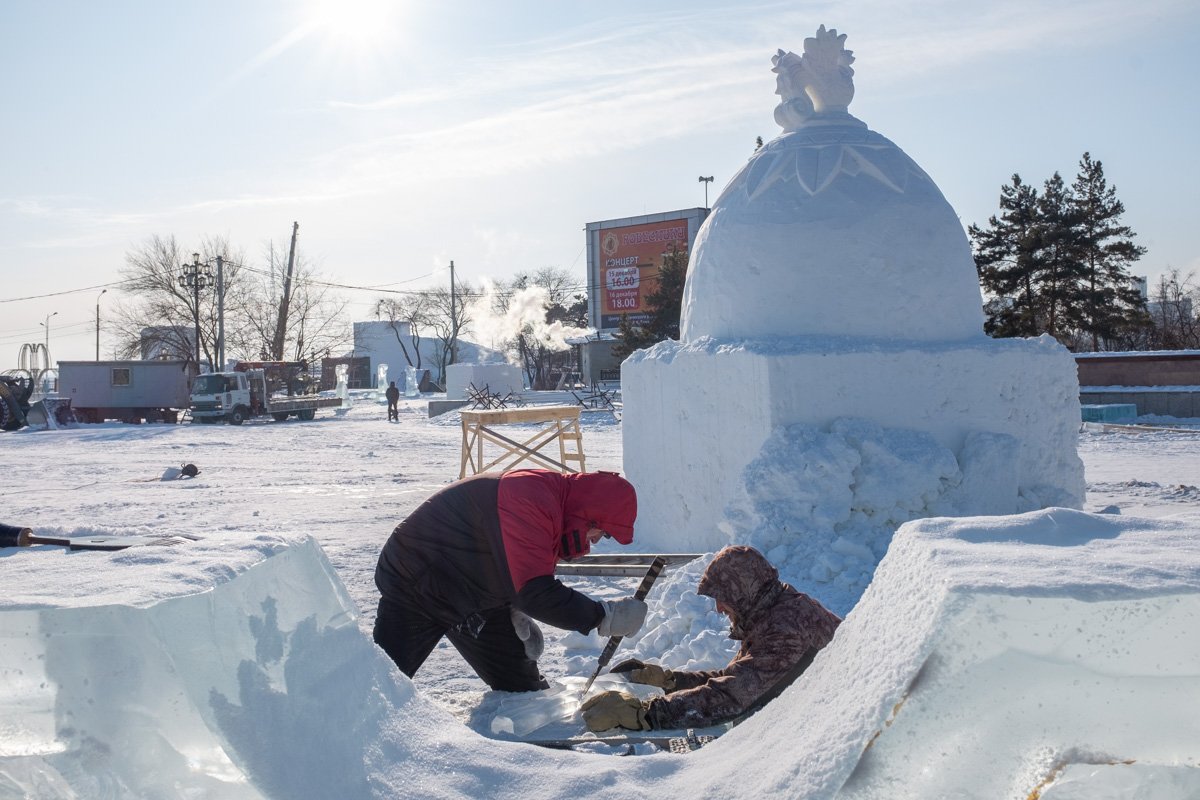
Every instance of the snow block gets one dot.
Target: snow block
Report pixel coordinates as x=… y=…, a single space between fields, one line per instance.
x=497 y=378
x=696 y=415
x=988 y=656
x=190 y=675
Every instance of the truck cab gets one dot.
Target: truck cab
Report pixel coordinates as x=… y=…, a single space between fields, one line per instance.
x=222 y=396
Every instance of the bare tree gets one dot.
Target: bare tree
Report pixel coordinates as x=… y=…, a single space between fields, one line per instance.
x=315 y=314
x=408 y=317
x=1172 y=307
x=446 y=319
x=159 y=312
x=539 y=343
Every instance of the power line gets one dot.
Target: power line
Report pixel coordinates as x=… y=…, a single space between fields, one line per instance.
x=587 y=287
x=68 y=291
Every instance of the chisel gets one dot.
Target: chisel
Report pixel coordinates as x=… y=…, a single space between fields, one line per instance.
x=614 y=641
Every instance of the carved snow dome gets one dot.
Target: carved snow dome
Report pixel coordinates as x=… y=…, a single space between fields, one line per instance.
x=830 y=228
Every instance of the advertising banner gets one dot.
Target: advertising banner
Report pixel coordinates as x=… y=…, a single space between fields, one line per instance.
x=630 y=258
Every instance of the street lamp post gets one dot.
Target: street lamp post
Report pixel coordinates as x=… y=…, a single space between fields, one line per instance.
x=196 y=276
x=706 y=182
x=46 y=325
x=45 y=379
x=102 y=292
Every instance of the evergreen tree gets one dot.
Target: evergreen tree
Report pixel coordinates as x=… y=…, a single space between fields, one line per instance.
x=665 y=304
x=1112 y=304
x=1060 y=273
x=1056 y=263
x=1007 y=259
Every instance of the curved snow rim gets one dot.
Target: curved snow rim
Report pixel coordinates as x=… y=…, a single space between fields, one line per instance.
x=264 y=686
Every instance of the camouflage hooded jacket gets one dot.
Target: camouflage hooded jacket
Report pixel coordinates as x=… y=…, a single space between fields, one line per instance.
x=777 y=626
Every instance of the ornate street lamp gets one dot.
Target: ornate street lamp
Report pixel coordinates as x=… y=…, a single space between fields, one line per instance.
x=196 y=276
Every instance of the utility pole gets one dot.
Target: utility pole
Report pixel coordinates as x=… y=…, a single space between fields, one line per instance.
x=102 y=291
x=453 y=319
x=220 y=315
x=281 y=324
x=706 y=182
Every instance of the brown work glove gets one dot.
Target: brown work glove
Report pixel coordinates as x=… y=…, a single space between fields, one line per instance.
x=649 y=674
x=615 y=710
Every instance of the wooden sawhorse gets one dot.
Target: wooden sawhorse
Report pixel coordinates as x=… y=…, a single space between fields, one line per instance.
x=559 y=423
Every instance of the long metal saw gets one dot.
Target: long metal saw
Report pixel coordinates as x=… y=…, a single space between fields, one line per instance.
x=643 y=589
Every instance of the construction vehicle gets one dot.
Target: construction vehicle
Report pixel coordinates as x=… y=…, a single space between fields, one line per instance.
x=16 y=388
x=132 y=391
x=255 y=389
x=14 y=401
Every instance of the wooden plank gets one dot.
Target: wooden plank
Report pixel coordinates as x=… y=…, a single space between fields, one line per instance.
x=501 y=416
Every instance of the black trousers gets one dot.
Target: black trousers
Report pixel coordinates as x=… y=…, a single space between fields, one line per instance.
x=408 y=635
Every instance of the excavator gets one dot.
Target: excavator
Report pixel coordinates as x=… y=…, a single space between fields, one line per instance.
x=16 y=412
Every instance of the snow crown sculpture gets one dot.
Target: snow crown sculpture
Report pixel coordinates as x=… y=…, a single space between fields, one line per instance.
x=830 y=229
x=819 y=82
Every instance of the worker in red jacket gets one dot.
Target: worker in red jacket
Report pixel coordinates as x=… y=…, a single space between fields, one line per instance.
x=475 y=562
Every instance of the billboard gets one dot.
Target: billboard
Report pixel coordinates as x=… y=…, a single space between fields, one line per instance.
x=629 y=259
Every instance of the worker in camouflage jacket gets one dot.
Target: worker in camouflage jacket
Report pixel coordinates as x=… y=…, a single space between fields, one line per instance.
x=780 y=628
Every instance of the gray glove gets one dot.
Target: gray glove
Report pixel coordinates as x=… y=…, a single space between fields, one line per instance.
x=622 y=617
x=529 y=634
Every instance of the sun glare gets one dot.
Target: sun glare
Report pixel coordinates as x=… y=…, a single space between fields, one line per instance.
x=353 y=24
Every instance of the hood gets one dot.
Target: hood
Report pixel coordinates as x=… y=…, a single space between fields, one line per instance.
x=602 y=500
x=741 y=578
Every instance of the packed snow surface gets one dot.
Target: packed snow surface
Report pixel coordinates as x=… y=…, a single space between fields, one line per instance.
x=989 y=656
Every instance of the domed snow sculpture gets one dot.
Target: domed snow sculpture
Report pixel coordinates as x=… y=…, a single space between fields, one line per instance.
x=830 y=229
x=832 y=326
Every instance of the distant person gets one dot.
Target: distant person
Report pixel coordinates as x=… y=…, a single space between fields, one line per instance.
x=475 y=563
x=393 y=397
x=781 y=630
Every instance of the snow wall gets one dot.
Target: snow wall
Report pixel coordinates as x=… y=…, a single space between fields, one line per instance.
x=702 y=419
x=989 y=658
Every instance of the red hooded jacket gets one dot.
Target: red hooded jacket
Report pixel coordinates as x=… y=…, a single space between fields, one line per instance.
x=493 y=540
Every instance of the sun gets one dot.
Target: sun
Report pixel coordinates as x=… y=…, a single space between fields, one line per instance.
x=353 y=24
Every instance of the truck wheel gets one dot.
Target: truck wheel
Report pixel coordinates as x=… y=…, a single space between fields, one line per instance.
x=237 y=416
x=306 y=414
x=280 y=416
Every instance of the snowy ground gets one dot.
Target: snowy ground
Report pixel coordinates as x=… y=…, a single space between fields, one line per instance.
x=347 y=480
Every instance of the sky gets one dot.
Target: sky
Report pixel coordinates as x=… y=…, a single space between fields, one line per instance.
x=402 y=136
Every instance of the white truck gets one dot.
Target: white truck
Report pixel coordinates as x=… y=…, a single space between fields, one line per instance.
x=235 y=397
x=130 y=391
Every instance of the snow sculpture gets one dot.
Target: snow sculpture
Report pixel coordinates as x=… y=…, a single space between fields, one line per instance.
x=342 y=390
x=833 y=281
